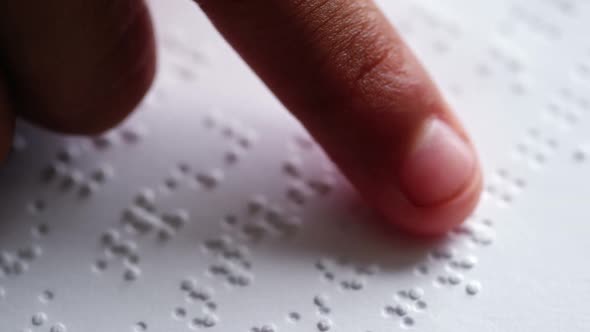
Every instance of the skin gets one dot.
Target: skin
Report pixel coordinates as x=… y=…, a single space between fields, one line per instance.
x=337 y=65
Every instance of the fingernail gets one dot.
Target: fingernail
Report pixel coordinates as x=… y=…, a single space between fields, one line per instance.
x=439 y=166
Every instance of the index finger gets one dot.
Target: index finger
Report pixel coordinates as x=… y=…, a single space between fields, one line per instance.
x=344 y=72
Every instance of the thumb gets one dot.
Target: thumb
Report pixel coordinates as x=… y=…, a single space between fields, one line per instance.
x=76 y=66
x=6 y=122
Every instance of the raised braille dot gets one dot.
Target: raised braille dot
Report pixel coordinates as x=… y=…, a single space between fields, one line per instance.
x=210 y=179
x=487 y=222
x=491 y=189
x=206 y=321
x=321 y=186
x=441 y=280
x=188 y=285
x=179 y=313
x=132 y=273
x=324 y=325
x=140 y=327
x=503 y=173
x=124 y=248
x=274 y=214
x=256 y=204
x=403 y=294
x=46 y=296
x=55 y=169
x=229 y=130
x=443 y=253
x=483 y=238
x=540 y=158
x=420 y=305
x=68 y=154
x=294 y=316
x=88 y=188
x=110 y=237
x=211 y=305
x=133 y=133
x=201 y=294
x=483 y=70
x=218 y=244
x=219 y=270
x=146 y=198
x=104 y=142
x=72 y=178
x=416 y=293
x=366 y=270
x=303 y=142
x=422 y=270
x=230 y=220
x=37 y=206
x=184 y=168
x=533 y=132
x=58 y=327
x=268 y=328
x=352 y=284
x=102 y=173
x=254 y=232
x=400 y=309
x=473 y=287
x=141 y=220
x=210 y=120
x=407 y=322
x=30 y=253
x=296 y=193
x=264 y=328
x=132 y=259
x=100 y=265
x=584 y=104
x=454 y=278
x=518 y=88
x=176 y=219
x=389 y=310
x=232 y=156
x=239 y=280
x=2 y=293
x=245 y=141
x=468 y=262
x=247 y=138
x=171 y=182
x=39 y=319
x=165 y=233
x=580 y=155
x=292 y=167
x=19 y=267
x=320 y=300
x=321 y=265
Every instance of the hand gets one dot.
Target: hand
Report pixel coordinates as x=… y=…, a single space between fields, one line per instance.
x=338 y=65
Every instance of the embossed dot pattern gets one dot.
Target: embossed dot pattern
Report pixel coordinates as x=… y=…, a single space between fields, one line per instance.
x=210 y=209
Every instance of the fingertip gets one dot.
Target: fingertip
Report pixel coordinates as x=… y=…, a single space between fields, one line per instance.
x=434 y=219
x=438 y=183
x=439 y=164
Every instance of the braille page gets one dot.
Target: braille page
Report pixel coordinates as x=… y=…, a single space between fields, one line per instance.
x=211 y=209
